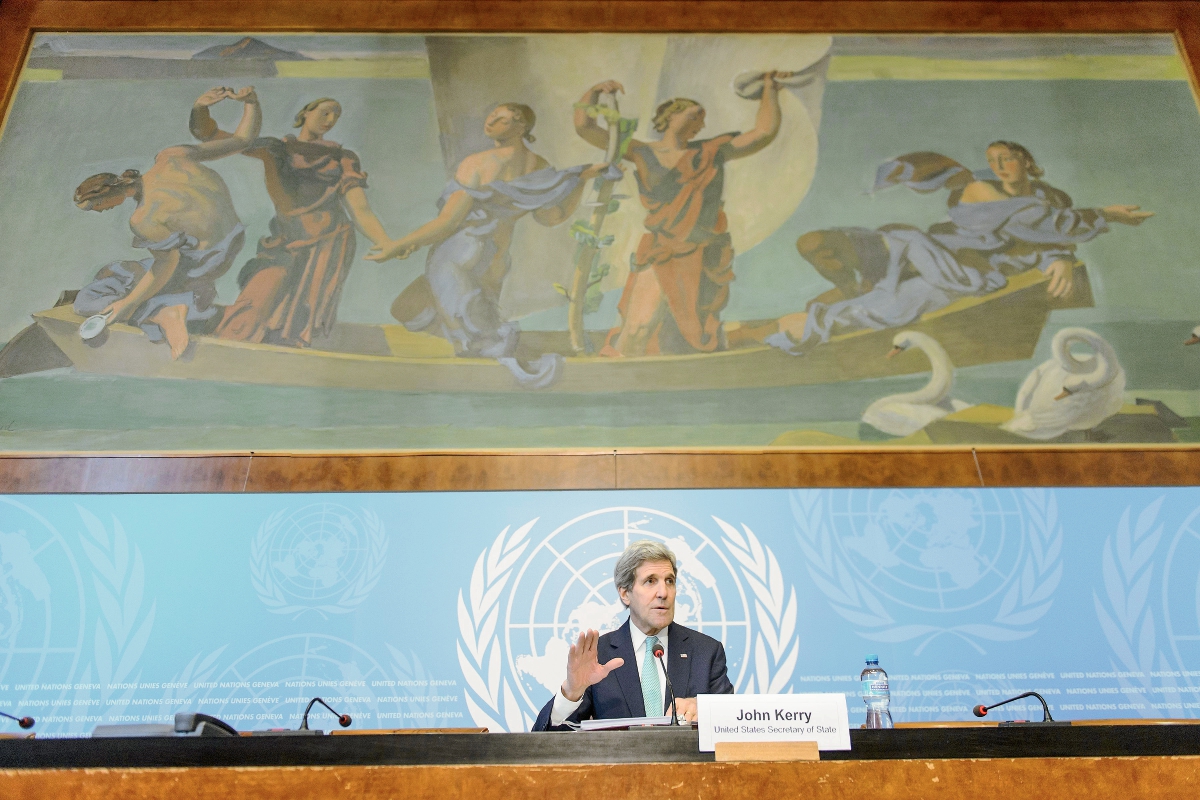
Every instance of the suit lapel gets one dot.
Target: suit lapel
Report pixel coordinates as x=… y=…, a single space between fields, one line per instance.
x=679 y=659
x=627 y=674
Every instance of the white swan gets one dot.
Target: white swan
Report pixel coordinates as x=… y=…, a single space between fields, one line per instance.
x=1069 y=393
x=1195 y=336
x=902 y=414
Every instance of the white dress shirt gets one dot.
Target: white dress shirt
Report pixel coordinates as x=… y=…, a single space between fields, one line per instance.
x=563 y=707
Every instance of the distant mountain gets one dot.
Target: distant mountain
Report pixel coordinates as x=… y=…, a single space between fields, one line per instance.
x=50 y=47
x=248 y=48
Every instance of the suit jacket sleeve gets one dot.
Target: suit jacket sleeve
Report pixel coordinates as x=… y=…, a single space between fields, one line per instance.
x=583 y=712
x=718 y=673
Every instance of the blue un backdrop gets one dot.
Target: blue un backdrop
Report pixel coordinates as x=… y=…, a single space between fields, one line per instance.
x=455 y=609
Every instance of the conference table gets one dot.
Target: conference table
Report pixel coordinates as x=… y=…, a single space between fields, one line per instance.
x=1115 y=759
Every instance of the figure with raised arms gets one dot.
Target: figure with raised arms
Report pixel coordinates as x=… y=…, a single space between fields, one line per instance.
x=289 y=292
x=680 y=274
x=186 y=220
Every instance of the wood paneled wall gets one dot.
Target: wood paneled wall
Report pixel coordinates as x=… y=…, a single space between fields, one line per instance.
x=664 y=470
x=606 y=469
x=1012 y=779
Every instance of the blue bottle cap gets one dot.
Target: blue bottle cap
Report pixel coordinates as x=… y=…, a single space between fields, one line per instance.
x=872 y=658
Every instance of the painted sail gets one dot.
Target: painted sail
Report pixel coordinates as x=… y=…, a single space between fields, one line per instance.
x=471 y=74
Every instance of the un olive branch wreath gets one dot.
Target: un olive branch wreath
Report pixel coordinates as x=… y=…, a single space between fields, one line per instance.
x=123 y=627
x=1124 y=613
x=776 y=646
x=490 y=697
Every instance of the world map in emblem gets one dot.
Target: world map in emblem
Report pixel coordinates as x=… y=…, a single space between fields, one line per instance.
x=565 y=586
x=42 y=603
x=936 y=550
x=323 y=557
x=317 y=550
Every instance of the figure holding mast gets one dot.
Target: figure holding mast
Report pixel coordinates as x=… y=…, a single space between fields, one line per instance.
x=680 y=274
x=588 y=234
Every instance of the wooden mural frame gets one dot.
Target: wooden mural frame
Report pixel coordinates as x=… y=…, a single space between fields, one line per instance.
x=607 y=468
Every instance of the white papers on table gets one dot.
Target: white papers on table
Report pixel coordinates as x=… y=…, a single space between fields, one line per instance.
x=623 y=722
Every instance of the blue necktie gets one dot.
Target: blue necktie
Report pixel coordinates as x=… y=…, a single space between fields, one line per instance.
x=651 y=691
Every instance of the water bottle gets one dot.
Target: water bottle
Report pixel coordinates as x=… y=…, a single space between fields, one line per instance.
x=876 y=694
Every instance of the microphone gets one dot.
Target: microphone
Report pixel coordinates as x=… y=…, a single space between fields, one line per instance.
x=658 y=653
x=24 y=722
x=343 y=719
x=981 y=710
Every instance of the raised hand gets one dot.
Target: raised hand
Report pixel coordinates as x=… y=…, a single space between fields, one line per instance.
x=583 y=666
x=215 y=95
x=608 y=87
x=245 y=95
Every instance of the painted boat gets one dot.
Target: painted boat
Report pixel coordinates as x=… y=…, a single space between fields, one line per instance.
x=1004 y=325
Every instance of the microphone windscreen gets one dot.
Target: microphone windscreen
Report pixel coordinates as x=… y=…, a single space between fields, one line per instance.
x=25 y=722
x=979 y=711
x=344 y=720
x=658 y=651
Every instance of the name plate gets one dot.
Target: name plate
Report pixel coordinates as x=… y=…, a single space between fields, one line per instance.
x=820 y=718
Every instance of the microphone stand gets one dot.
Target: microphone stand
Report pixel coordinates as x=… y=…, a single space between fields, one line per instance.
x=343 y=719
x=658 y=654
x=981 y=711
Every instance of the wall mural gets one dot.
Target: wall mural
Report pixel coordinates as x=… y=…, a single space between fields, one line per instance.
x=308 y=242
x=448 y=609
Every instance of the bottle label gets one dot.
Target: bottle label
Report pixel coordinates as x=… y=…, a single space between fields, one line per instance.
x=875 y=688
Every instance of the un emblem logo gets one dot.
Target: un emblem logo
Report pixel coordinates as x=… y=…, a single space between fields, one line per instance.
x=904 y=565
x=322 y=557
x=528 y=600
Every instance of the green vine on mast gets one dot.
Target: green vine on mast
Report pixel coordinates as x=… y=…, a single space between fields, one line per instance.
x=584 y=295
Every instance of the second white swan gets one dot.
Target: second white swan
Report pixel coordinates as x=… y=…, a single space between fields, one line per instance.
x=1067 y=392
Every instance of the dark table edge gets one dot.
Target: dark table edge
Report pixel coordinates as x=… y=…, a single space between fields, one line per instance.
x=600 y=748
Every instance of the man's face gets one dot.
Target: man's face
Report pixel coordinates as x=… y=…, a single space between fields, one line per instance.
x=651 y=601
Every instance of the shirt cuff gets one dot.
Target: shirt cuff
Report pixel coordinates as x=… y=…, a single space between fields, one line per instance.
x=563 y=708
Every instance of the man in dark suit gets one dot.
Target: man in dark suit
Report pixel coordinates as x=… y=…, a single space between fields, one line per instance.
x=616 y=675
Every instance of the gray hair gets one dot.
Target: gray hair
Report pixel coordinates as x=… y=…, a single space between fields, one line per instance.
x=635 y=555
